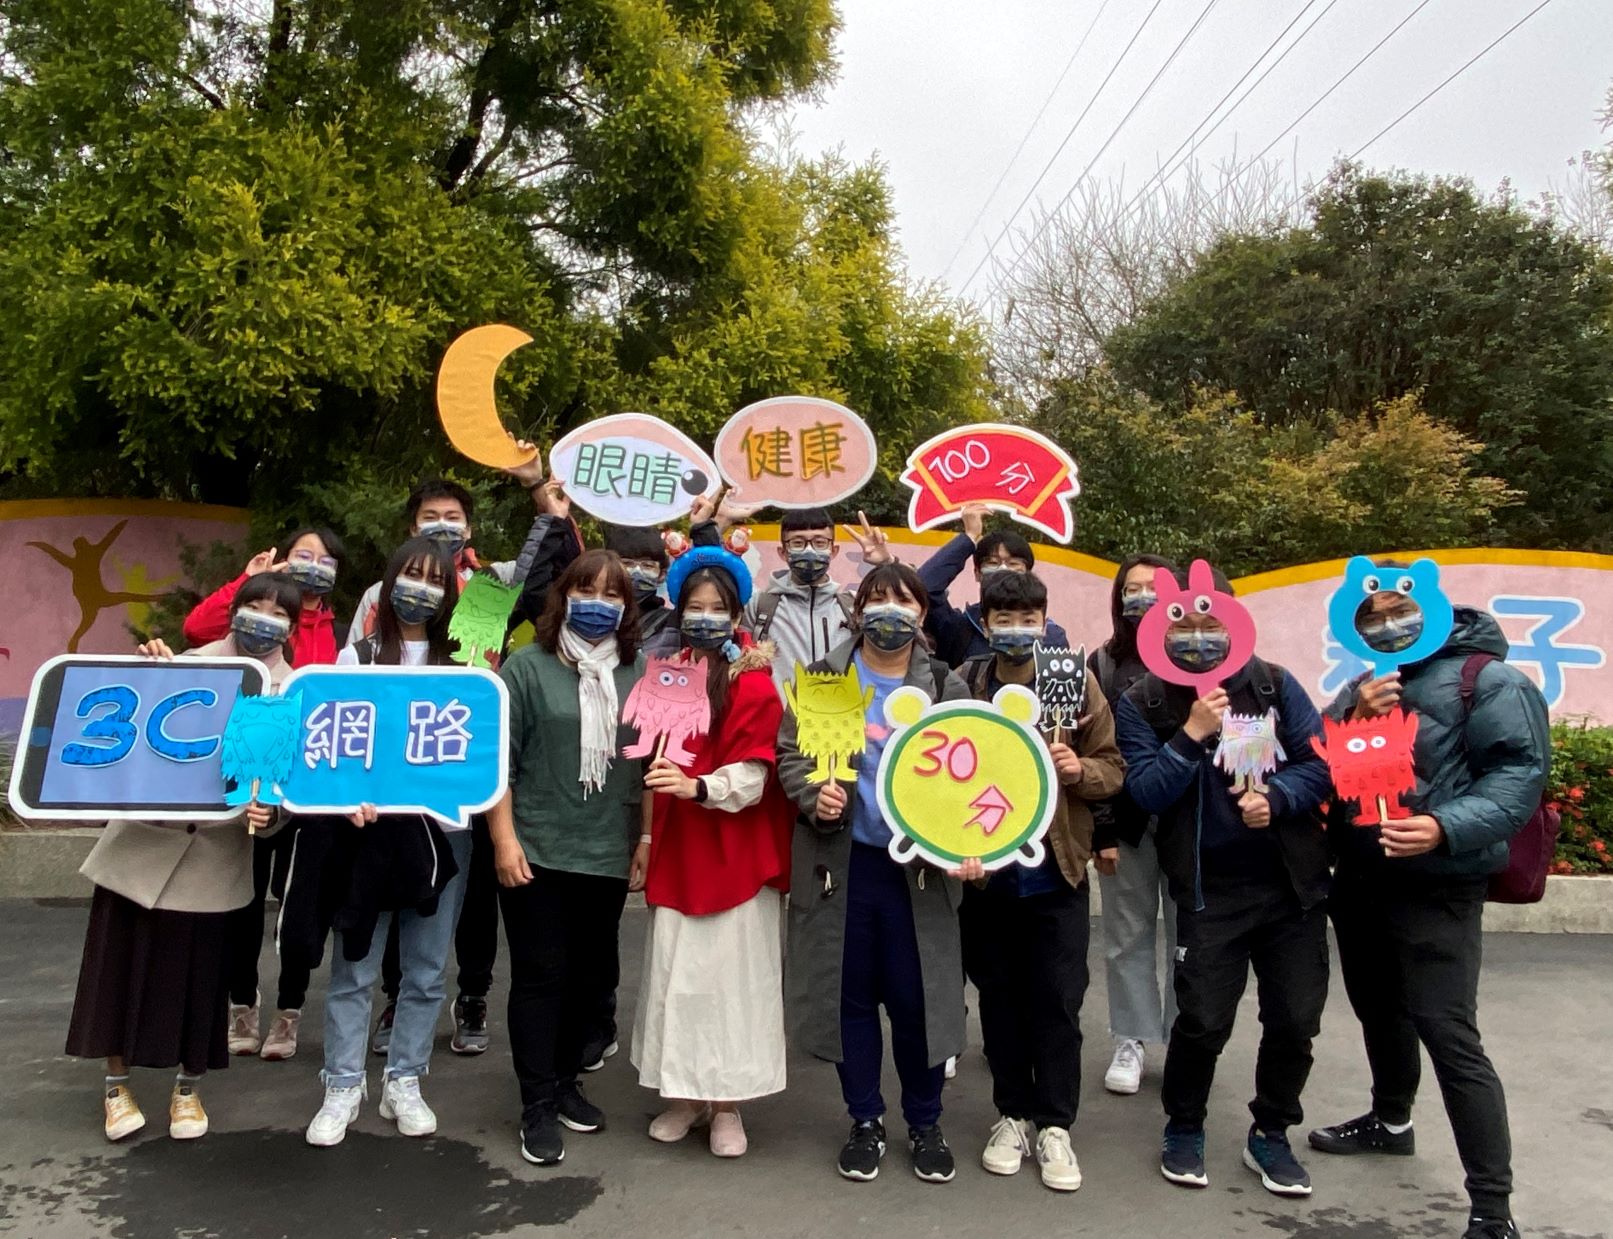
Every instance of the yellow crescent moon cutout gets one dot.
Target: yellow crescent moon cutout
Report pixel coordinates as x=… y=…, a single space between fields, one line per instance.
x=465 y=395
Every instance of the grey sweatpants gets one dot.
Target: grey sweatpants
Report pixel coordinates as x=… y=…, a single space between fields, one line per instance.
x=1138 y=1007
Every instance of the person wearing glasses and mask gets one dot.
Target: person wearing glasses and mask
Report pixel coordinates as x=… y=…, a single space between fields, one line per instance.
x=313 y=559
x=865 y=931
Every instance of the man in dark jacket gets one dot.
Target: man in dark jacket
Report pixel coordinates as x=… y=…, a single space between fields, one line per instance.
x=1408 y=900
x=960 y=635
x=1249 y=876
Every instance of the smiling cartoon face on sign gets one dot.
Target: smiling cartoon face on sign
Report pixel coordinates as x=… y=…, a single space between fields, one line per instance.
x=966 y=779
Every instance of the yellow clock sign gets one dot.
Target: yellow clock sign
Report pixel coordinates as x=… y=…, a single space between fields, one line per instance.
x=966 y=779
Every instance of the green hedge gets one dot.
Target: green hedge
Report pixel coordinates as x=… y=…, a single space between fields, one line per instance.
x=1581 y=789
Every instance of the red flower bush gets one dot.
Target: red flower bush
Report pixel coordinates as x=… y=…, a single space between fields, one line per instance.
x=1581 y=789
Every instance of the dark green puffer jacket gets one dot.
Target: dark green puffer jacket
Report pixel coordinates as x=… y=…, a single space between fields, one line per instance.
x=1481 y=777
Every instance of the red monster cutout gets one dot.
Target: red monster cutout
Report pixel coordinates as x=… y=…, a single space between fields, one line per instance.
x=1371 y=763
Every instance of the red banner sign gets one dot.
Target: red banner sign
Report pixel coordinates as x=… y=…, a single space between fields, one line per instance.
x=1007 y=467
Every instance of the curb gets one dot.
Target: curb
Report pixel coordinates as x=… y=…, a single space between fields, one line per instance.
x=43 y=864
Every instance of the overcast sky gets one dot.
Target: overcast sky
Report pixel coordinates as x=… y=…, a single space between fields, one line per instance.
x=942 y=91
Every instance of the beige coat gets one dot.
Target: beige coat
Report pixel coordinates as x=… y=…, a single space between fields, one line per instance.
x=181 y=866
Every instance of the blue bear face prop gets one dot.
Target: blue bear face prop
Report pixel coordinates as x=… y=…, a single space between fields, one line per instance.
x=1419 y=583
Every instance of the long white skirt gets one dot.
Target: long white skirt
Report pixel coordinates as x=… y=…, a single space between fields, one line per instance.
x=710 y=1018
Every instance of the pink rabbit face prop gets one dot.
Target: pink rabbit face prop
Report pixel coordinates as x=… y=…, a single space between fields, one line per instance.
x=1203 y=600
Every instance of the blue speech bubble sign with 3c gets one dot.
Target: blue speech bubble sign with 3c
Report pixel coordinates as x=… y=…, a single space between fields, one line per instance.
x=1420 y=583
x=405 y=739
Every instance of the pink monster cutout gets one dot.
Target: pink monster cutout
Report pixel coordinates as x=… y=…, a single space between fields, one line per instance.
x=668 y=706
x=1199 y=598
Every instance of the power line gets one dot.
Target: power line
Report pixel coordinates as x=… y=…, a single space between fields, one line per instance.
x=1468 y=64
x=1070 y=133
x=1024 y=138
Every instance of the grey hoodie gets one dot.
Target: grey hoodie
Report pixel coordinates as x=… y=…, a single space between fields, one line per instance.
x=808 y=624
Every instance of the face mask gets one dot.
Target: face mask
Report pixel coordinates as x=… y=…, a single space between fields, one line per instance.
x=890 y=627
x=312 y=577
x=646 y=583
x=1198 y=649
x=1391 y=634
x=415 y=602
x=1135 y=606
x=593 y=618
x=450 y=535
x=808 y=567
x=1014 y=644
x=707 y=632
x=256 y=633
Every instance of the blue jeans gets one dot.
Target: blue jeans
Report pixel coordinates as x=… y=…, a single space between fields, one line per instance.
x=423 y=946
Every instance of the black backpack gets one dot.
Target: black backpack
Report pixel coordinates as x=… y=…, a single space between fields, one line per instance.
x=1153 y=703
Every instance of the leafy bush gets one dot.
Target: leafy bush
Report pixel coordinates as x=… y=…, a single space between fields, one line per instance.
x=1581 y=789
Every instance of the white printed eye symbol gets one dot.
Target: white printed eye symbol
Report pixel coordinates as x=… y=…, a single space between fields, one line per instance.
x=1378 y=742
x=1405 y=585
x=1202 y=604
x=683 y=681
x=1358 y=745
x=666 y=679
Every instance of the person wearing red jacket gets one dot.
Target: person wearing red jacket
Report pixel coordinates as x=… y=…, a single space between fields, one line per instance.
x=714 y=864
x=313 y=558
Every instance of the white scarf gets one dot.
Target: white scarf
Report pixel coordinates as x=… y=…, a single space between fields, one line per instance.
x=596 y=701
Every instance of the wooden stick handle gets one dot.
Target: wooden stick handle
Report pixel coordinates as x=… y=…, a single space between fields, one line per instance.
x=251 y=828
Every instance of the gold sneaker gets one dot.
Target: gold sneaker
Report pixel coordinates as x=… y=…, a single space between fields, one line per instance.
x=186 y=1118
x=123 y=1117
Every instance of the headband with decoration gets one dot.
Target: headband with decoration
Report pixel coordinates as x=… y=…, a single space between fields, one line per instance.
x=699 y=557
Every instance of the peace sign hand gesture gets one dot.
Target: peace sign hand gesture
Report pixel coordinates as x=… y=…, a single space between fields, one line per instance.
x=871 y=541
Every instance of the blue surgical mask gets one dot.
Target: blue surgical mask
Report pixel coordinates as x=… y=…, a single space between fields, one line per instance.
x=1135 y=606
x=808 y=566
x=707 y=632
x=450 y=535
x=593 y=619
x=1198 y=649
x=1014 y=644
x=312 y=577
x=1389 y=634
x=257 y=633
x=646 y=583
x=415 y=602
x=890 y=627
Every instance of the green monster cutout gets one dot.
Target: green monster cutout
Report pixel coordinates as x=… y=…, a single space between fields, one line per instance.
x=480 y=618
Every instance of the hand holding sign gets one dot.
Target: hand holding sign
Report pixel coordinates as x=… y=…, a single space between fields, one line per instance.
x=1009 y=468
x=465 y=396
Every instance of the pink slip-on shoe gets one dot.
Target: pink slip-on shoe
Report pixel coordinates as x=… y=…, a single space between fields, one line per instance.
x=728 y=1134
x=674 y=1124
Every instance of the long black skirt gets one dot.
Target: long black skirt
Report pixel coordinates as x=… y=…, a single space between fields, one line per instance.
x=152 y=989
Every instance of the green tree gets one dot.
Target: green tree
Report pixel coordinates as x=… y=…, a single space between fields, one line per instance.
x=1498 y=319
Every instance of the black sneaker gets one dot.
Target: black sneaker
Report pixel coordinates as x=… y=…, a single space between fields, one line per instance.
x=470 y=1026
x=599 y=1048
x=576 y=1111
x=381 y=1038
x=932 y=1158
x=1269 y=1155
x=1181 y=1160
x=1491 y=1228
x=859 y=1159
x=542 y=1141
x=1366 y=1134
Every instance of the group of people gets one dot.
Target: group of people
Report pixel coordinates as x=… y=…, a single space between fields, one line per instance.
x=774 y=901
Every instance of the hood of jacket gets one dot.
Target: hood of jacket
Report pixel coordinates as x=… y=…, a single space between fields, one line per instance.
x=1472 y=632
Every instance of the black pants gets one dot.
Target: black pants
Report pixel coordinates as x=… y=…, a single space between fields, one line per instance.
x=476 y=937
x=1255 y=921
x=1410 y=951
x=1028 y=959
x=243 y=931
x=562 y=931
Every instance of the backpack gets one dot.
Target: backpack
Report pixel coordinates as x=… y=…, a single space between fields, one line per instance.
x=1530 y=852
x=1155 y=708
x=768 y=603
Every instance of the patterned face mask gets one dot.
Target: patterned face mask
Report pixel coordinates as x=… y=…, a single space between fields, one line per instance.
x=256 y=633
x=890 y=627
x=415 y=602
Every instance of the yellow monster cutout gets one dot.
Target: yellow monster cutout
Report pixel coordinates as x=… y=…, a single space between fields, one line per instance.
x=966 y=779
x=829 y=714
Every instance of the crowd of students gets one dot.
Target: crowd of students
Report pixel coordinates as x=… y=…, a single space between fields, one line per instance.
x=774 y=901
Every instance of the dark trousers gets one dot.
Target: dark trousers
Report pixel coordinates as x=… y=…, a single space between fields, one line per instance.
x=1410 y=952
x=243 y=932
x=881 y=967
x=1028 y=958
x=476 y=937
x=1255 y=921
x=562 y=931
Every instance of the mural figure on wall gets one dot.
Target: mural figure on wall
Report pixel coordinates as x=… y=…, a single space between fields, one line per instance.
x=89 y=589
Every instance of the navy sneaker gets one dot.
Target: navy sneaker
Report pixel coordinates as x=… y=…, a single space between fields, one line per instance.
x=859 y=1159
x=932 y=1156
x=1366 y=1134
x=1270 y=1156
x=1182 y=1158
x=1491 y=1228
x=575 y=1110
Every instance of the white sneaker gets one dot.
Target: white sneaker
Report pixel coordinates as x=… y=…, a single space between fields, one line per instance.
x=1009 y=1145
x=1060 y=1170
x=244 y=1025
x=341 y=1107
x=401 y=1101
x=952 y=1068
x=1125 y=1074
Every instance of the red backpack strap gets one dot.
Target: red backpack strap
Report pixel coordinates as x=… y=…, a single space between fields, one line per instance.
x=1474 y=664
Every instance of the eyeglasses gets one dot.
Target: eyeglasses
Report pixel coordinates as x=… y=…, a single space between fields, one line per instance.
x=308 y=557
x=809 y=544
